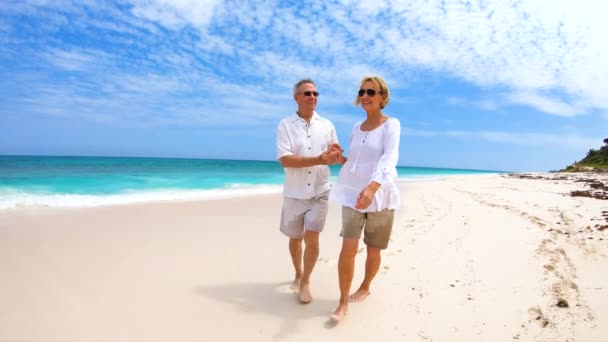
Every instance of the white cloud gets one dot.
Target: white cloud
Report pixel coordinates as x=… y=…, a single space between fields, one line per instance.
x=488 y=105
x=521 y=47
x=532 y=46
x=546 y=104
x=572 y=141
x=70 y=60
x=527 y=139
x=407 y=131
x=177 y=13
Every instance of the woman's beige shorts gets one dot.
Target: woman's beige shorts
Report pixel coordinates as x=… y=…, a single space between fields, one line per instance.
x=378 y=226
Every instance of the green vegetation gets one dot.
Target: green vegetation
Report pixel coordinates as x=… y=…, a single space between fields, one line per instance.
x=596 y=160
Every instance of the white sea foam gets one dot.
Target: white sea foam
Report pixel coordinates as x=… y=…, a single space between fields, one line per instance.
x=430 y=178
x=13 y=199
x=418 y=178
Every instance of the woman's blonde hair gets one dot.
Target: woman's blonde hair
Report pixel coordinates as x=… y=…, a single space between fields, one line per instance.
x=379 y=82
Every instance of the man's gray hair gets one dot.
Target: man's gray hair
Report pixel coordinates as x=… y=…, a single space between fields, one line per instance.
x=303 y=81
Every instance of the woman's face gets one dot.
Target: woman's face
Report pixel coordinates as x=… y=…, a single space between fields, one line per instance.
x=370 y=102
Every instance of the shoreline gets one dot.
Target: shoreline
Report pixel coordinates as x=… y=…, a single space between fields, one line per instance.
x=33 y=201
x=475 y=258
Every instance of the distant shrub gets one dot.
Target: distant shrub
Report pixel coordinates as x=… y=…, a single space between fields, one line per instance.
x=595 y=160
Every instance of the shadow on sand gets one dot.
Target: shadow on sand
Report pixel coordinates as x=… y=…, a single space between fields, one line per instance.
x=270 y=299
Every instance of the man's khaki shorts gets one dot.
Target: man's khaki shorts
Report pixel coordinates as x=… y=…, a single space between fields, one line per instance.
x=298 y=215
x=378 y=226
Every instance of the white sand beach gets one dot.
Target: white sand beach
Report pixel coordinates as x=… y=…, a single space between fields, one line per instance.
x=472 y=258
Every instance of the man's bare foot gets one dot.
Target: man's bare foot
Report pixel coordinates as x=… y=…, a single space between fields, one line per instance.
x=305 y=296
x=295 y=285
x=358 y=296
x=339 y=313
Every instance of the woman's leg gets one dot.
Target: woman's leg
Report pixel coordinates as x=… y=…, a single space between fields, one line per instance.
x=346 y=270
x=372 y=265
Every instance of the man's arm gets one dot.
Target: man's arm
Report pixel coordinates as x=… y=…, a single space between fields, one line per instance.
x=297 y=161
x=326 y=158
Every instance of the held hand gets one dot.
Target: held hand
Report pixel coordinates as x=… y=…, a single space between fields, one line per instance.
x=340 y=159
x=335 y=147
x=330 y=157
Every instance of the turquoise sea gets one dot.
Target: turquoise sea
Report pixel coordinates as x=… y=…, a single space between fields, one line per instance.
x=95 y=181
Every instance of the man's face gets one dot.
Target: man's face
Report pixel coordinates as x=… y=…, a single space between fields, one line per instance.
x=306 y=103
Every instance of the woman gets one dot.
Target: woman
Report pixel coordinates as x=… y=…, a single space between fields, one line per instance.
x=367 y=190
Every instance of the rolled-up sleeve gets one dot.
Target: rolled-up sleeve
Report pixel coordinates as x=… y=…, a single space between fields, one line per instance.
x=386 y=171
x=334 y=136
x=283 y=143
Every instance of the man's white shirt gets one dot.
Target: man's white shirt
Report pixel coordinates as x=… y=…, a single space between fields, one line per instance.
x=297 y=137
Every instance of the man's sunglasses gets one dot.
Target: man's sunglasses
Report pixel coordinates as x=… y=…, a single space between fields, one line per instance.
x=370 y=92
x=308 y=93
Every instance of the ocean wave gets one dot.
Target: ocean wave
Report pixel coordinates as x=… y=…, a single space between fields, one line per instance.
x=15 y=199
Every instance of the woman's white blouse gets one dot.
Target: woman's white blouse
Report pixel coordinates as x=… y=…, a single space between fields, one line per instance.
x=372 y=156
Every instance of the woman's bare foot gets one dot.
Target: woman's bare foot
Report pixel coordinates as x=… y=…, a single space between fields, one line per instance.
x=305 y=296
x=358 y=296
x=339 y=313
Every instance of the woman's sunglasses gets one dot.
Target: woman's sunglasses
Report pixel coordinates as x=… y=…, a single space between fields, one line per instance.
x=308 y=93
x=369 y=92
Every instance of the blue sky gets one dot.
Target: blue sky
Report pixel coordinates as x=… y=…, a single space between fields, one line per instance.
x=499 y=85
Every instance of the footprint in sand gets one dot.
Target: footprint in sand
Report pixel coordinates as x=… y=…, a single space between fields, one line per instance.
x=291 y=287
x=536 y=314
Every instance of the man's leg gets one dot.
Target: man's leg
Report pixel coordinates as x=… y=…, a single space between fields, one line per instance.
x=346 y=271
x=372 y=265
x=311 y=254
x=295 y=249
x=314 y=221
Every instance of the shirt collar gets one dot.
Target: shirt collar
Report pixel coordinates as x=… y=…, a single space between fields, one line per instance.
x=315 y=116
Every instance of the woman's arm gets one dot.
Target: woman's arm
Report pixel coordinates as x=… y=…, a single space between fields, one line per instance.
x=387 y=165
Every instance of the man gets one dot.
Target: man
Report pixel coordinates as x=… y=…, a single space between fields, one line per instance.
x=306 y=145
